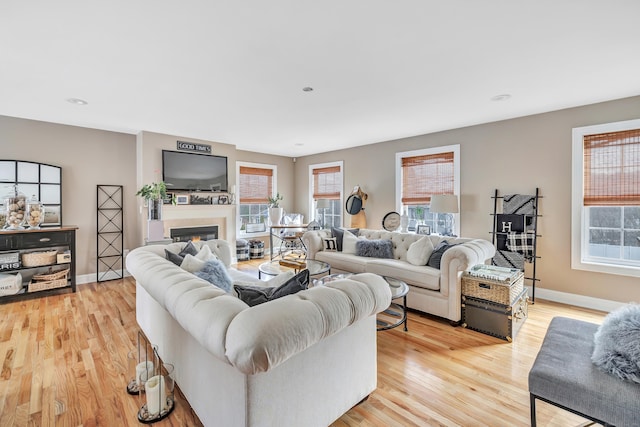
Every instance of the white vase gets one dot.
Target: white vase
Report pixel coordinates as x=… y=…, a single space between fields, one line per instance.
x=275 y=215
x=404 y=222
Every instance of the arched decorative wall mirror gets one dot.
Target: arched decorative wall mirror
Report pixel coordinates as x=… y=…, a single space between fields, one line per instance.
x=34 y=179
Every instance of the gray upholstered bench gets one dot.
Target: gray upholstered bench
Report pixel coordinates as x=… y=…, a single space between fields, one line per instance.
x=563 y=375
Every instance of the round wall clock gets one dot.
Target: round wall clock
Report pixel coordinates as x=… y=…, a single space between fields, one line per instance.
x=391 y=221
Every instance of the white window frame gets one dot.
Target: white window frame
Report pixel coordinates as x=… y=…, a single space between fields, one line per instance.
x=312 y=205
x=274 y=168
x=456 y=175
x=579 y=215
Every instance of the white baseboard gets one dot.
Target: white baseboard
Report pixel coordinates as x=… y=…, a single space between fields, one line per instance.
x=92 y=278
x=577 y=300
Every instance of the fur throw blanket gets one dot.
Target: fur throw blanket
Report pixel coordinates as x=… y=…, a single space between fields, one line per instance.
x=617 y=343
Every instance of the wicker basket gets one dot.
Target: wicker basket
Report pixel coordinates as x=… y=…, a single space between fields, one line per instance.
x=52 y=280
x=501 y=292
x=36 y=259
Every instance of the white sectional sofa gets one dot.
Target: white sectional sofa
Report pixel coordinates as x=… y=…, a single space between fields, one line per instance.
x=432 y=290
x=300 y=360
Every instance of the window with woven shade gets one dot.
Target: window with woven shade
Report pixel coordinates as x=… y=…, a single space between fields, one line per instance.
x=612 y=169
x=421 y=174
x=606 y=198
x=256 y=184
x=326 y=193
x=327 y=183
x=426 y=175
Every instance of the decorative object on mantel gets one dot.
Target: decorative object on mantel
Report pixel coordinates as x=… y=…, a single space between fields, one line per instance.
x=153 y=194
x=275 y=211
x=35 y=213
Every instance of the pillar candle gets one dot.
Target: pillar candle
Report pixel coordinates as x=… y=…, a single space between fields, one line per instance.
x=143 y=371
x=156 y=394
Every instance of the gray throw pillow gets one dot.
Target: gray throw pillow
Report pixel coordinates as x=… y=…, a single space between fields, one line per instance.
x=381 y=248
x=254 y=295
x=179 y=257
x=617 y=343
x=436 y=256
x=338 y=233
x=215 y=272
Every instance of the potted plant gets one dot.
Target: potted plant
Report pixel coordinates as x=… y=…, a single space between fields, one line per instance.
x=275 y=211
x=153 y=194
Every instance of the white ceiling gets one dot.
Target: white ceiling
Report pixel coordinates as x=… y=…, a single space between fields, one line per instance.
x=233 y=71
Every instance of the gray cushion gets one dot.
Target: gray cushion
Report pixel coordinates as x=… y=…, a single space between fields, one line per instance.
x=177 y=259
x=563 y=373
x=435 y=258
x=381 y=248
x=254 y=295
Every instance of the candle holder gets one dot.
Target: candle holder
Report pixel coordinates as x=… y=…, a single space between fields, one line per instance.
x=142 y=363
x=159 y=397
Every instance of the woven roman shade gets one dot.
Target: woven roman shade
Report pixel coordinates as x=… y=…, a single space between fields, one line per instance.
x=327 y=183
x=612 y=168
x=424 y=176
x=256 y=184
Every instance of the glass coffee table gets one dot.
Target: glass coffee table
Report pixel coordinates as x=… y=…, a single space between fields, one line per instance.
x=393 y=316
x=273 y=268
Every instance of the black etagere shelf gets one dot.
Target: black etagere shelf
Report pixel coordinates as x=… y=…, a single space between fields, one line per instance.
x=110 y=229
x=520 y=217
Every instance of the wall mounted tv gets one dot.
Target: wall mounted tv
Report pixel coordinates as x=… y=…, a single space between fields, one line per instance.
x=194 y=172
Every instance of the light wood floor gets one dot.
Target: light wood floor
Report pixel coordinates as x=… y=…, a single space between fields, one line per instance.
x=64 y=364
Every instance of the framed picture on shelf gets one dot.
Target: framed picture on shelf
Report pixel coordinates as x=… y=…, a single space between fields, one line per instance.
x=169 y=199
x=223 y=200
x=51 y=216
x=182 y=199
x=423 y=229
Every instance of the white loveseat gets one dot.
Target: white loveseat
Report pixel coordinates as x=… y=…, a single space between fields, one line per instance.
x=434 y=291
x=301 y=360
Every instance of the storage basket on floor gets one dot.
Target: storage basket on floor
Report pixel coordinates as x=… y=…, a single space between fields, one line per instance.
x=242 y=250
x=488 y=282
x=36 y=259
x=256 y=249
x=52 y=280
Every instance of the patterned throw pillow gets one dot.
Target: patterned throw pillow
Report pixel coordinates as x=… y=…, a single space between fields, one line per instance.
x=329 y=244
x=436 y=256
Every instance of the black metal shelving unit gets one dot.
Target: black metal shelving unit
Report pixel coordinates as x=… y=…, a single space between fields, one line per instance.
x=110 y=229
x=507 y=258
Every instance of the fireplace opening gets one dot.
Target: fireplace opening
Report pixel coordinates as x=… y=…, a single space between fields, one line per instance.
x=184 y=234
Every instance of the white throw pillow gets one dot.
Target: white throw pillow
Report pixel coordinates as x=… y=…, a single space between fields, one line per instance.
x=193 y=263
x=420 y=251
x=205 y=253
x=349 y=241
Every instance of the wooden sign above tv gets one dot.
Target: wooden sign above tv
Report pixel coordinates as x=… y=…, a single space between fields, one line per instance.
x=190 y=146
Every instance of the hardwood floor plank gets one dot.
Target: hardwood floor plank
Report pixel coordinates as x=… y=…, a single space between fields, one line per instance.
x=64 y=363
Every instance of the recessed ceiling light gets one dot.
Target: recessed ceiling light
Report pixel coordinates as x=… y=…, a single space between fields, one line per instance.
x=307 y=89
x=77 y=101
x=502 y=97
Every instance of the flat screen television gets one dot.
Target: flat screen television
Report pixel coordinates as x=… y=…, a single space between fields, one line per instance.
x=194 y=172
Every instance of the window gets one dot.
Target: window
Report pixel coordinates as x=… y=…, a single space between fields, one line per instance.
x=606 y=198
x=326 y=191
x=421 y=174
x=256 y=183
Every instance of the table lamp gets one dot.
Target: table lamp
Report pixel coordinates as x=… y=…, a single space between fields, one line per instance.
x=448 y=205
x=323 y=204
